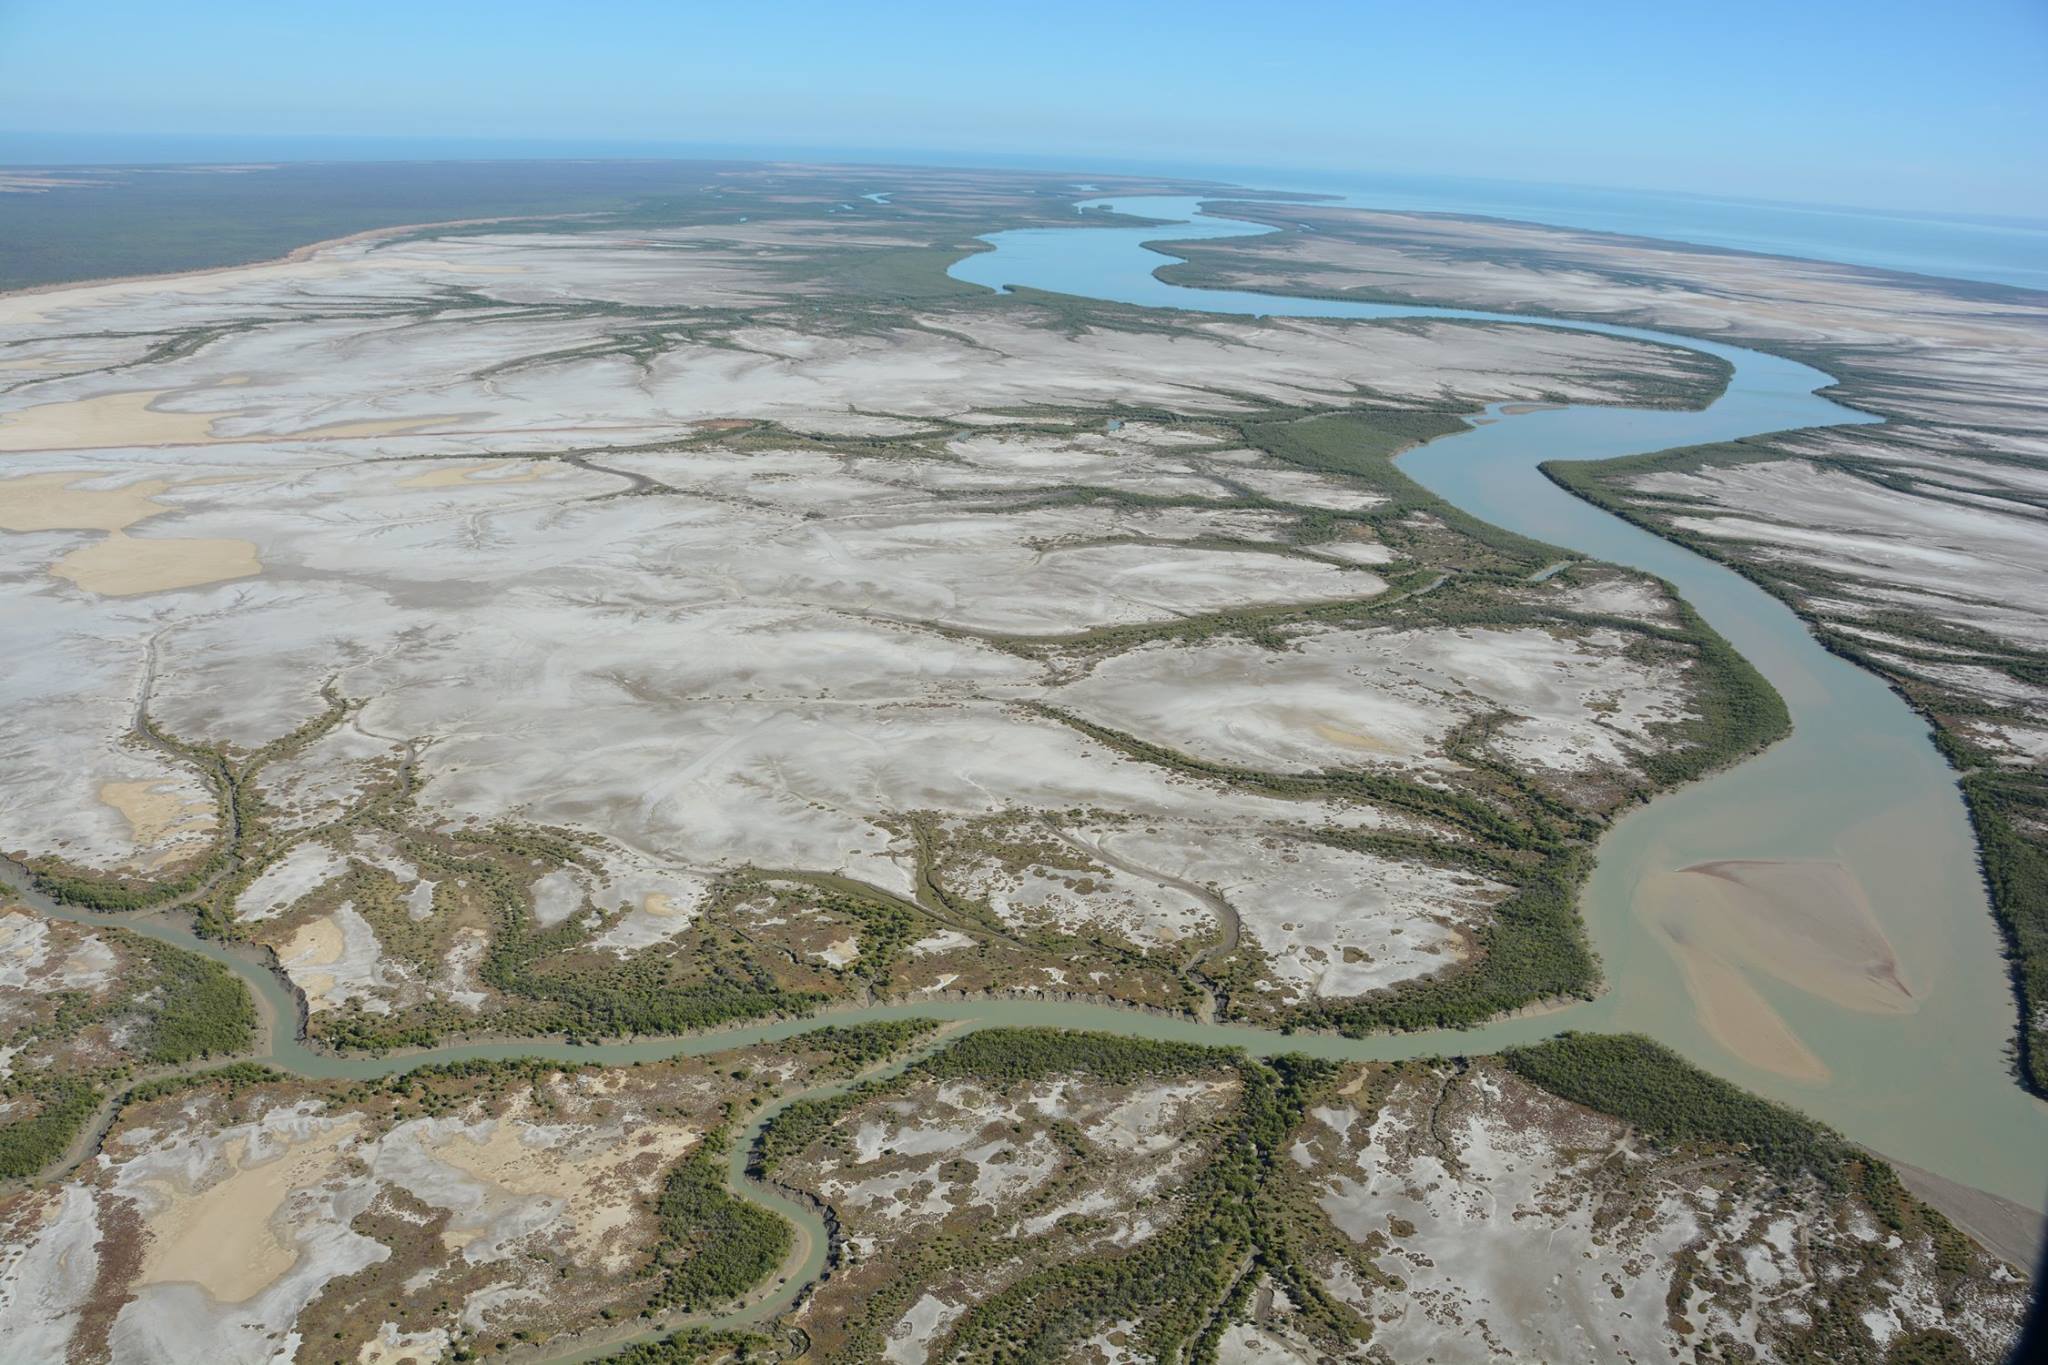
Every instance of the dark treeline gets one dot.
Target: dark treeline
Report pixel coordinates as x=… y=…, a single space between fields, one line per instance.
x=2008 y=810
x=201 y=1008
x=697 y=1346
x=712 y=1247
x=1660 y=1093
x=28 y=1145
x=183 y=1008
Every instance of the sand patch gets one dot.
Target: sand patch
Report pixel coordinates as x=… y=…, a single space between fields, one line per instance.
x=1741 y=1020
x=119 y=566
x=1805 y=923
x=283 y=883
x=486 y=472
x=24 y=947
x=124 y=566
x=156 y=809
x=393 y=1347
x=1352 y=739
x=112 y=419
x=318 y=943
x=387 y=426
x=911 y=1338
x=336 y=959
x=582 y=1188
x=60 y=502
x=650 y=916
x=223 y=1238
x=840 y=953
x=36 y=184
x=441 y=265
x=132 y=419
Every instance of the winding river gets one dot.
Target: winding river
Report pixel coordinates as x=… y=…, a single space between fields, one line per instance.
x=1858 y=784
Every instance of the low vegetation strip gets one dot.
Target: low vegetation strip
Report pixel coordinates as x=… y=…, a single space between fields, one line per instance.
x=696 y=1346
x=1361 y=445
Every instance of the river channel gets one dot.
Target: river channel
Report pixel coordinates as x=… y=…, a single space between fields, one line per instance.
x=1858 y=785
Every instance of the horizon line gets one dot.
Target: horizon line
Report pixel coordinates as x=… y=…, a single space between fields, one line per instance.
x=656 y=150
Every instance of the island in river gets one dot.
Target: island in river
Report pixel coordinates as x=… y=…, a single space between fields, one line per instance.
x=560 y=639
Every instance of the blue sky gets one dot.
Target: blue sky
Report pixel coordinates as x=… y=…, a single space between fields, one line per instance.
x=1924 y=106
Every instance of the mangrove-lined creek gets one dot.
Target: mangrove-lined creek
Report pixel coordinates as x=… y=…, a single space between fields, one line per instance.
x=1857 y=784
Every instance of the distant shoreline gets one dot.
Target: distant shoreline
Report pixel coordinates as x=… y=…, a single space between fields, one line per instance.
x=303 y=252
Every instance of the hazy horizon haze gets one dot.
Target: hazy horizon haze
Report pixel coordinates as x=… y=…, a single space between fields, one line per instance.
x=1885 y=105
